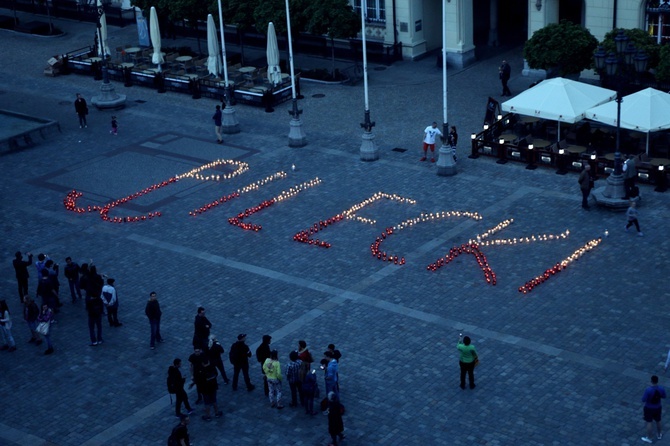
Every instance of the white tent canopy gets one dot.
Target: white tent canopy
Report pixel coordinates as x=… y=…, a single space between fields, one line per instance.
x=558 y=99
x=646 y=111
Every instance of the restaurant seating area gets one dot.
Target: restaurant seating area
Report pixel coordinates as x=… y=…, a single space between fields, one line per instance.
x=538 y=143
x=182 y=71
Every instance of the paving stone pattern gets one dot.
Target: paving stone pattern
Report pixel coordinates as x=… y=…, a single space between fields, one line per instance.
x=563 y=365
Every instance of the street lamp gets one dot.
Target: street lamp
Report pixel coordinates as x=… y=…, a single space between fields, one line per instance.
x=446 y=164
x=369 y=150
x=618 y=67
x=108 y=98
x=296 y=135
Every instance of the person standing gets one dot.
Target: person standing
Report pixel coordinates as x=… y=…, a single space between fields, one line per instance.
x=629 y=176
x=310 y=390
x=468 y=355
x=30 y=313
x=585 y=184
x=53 y=270
x=153 y=312
x=453 y=141
x=202 y=326
x=180 y=431
x=40 y=264
x=262 y=354
x=217 y=124
x=206 y=380
x=46 y=317
x=45 y=289
x=95 y=282
x=631 y=215
x=336 y=353
x=239 y=355
x=71 y=273
x=293 y=378
x=81 y=108
x=6 y=326
x=332 y=374
x=115 y=126
x=215 y=352
x=272 y=371
x=111 y=300
x=335 y=422
x=652 y=409
x=175 y=383
x=505 y=72
x=430 y=133
x=196 y=360
x=21 y=270
x=94 y=308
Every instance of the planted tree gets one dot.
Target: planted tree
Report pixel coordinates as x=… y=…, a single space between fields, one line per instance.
x=241 y=14
x=638 y=37
x=564 y=47
x=334 y=18
x=663 y=67
x=192 y=11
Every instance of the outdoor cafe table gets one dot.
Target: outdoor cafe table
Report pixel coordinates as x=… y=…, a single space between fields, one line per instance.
x=509 y=137
x=659 y=162
x=183 y=58
x=541 y=143
x=576 y=150
x=93 y=59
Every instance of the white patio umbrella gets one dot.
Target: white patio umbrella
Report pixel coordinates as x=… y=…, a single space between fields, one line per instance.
x=274 y=72
x=214 y=57
x=646 y=111
x=155 y=32
x=103 y=32
x=558 y=99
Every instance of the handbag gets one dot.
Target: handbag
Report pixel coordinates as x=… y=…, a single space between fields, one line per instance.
x=476 y=361
x=43 y=328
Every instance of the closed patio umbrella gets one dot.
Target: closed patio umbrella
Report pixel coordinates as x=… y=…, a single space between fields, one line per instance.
x=103 y=31
x=155 y=32
x=214 y=57
x=646 y=111
x=274 y=72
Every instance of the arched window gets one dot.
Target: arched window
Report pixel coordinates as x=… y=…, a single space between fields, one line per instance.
x=658 y=20
x=376 y=10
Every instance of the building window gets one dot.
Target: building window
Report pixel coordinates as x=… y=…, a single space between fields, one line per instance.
x=658 y=20
x=376 y=10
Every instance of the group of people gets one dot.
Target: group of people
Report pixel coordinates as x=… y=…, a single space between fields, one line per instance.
x=98 y=292
x=206 y=364
x=430 y=133
x=81 y=109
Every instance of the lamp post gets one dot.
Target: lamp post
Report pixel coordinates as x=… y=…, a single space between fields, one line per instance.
x=369 y=150
x=108 y=98
x=446 y=164
x=229 y=122
x=617 y=66
x=296 y=135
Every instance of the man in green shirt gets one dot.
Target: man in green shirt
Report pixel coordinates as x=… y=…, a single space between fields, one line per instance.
x=468 y=356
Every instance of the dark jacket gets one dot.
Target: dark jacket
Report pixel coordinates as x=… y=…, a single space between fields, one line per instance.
x=30 y=312
x=175 y=378
x=215 y=352
x=21 y=267
x=239 y=354
x=202 y=326
x=153 y=310
x=94 y=306
x=94 y=285
x=71 y=271
x=80 y=106
x=263 y=352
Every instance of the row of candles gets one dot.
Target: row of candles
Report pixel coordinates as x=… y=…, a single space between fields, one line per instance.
x=560 y=266
x=243 y=190
x=467 y=248
x=375 y=248
x=291 y=192
x=240 y=168
x=305 y=235
x=532 y=238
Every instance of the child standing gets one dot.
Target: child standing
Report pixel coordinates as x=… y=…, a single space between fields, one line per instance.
x=631 y=213
x=115 y=126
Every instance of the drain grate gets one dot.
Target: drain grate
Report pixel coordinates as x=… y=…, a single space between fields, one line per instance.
x=319 y=95
x=398 y=149
x=140 y=101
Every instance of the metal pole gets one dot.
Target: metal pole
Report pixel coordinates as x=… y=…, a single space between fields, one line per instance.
x=296 y=136
x=446 y=162
x=229 y=122
x=369 y=150
x=618 y=168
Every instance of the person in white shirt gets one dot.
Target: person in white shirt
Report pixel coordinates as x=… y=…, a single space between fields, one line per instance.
x=429 y=141
x=111 y=301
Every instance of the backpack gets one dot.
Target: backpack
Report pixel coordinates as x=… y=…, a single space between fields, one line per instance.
x=655 y=397
x=172 y=384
